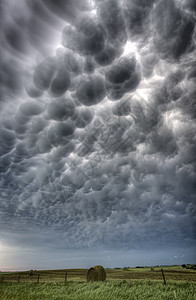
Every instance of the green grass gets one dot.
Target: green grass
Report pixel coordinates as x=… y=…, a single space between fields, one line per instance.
x=109 y=290
x=131 y=283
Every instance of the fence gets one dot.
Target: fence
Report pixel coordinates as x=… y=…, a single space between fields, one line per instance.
x=36 y=277
x=71 y=275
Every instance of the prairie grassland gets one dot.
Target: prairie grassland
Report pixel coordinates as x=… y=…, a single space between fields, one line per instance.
x=129 y=283
x=108 y=290
x=174 y=273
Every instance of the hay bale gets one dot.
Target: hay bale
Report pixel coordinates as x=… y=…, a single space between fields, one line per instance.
x=96 y=273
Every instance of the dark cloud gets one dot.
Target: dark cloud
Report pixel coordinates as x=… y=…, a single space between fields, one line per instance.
x=89 y=65
x=97 y=135
x=173 y=37
x=111 y=15
x=44 y=73
x=87 y=38
x=7 y=140
x=72 y=63
x=10 y=79
x=32 y=90
x=106 y=56
x=92 y=36
x=15 y=37
x=31 y=109
x=60 y=82
x=43 y=145
x=59 y=133
x=61 y=109
x=91 y=90
x=37 y=125
x=136 y=15
x=83 y=117
x=190 y=4
x=122 y=77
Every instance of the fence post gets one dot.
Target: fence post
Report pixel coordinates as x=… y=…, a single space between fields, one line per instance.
x=38 y=278
x=65 y=276
x=2 y=278
x=18 y=278
x=164 y=281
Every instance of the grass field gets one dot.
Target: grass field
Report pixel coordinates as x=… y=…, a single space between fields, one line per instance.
x=109 y=290
x=132 y=283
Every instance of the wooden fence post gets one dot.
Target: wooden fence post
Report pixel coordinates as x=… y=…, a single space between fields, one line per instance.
x=164 y=281
x=18 y=278
x=65 y=276
x=2 y=278
x=38 y=278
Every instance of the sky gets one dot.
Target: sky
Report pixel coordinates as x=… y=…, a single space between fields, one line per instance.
x=97 y=133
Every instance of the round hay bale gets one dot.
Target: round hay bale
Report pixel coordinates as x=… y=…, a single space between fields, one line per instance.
x=96 y=273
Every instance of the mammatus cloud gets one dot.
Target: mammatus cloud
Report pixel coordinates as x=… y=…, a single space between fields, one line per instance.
x=97 y=135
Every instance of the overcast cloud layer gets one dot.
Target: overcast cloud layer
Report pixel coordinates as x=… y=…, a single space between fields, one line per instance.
x=97 y=124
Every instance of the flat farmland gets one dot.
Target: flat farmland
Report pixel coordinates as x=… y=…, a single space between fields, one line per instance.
x=174 y=273
x=171 y=273
x=120 y=284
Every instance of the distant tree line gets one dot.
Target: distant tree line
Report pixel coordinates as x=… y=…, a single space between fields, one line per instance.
x=192 y=266
x=186 y=266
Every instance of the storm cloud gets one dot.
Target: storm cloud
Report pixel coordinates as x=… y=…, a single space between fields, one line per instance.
x=97 y=123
